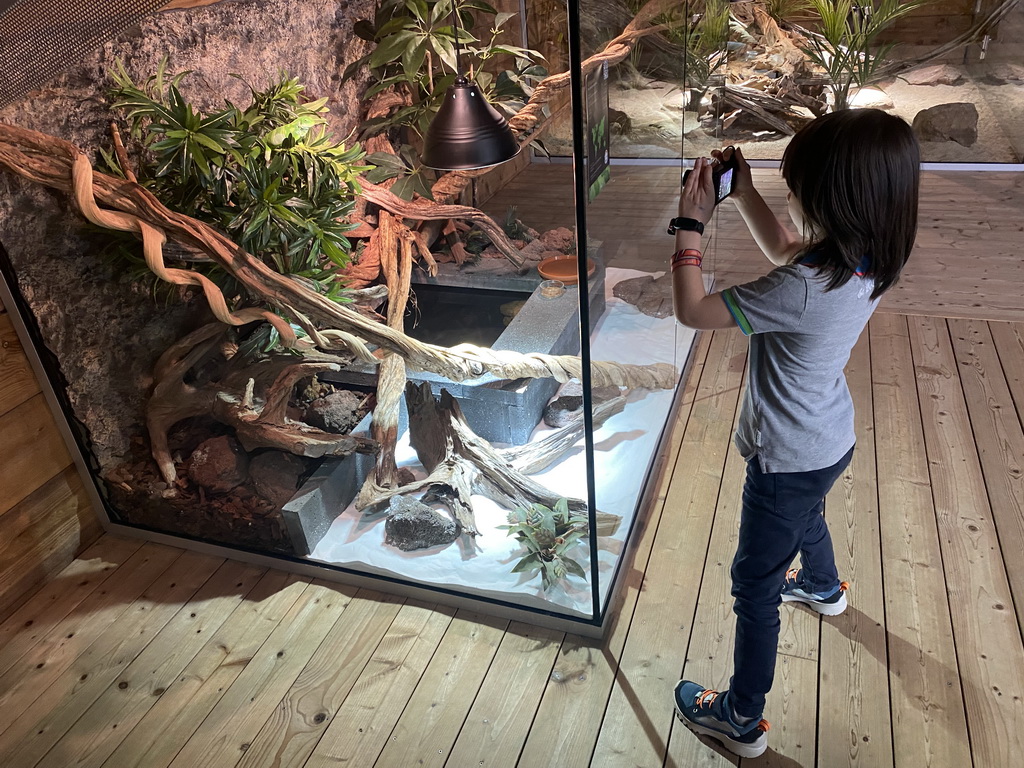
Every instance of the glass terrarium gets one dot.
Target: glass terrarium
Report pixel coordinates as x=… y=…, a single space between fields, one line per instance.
x=274 y=333
x=752 y=73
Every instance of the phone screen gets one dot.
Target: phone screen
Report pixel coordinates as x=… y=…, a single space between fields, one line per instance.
x=725 y=182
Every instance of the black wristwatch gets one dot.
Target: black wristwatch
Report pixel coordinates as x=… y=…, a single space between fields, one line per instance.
x=685 y=225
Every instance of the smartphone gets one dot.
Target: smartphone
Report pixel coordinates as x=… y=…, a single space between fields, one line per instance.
x=723 y=176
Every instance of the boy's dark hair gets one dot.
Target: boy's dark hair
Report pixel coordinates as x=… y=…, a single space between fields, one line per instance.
x=856 y=174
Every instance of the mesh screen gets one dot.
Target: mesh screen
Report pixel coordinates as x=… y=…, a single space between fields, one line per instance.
x=39 y=39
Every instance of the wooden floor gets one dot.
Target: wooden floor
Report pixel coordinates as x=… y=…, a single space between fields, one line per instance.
x=968 y=263
x=145 y=655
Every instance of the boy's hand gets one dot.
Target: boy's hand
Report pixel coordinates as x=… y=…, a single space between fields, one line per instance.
x=744 y=182
x=698 y=198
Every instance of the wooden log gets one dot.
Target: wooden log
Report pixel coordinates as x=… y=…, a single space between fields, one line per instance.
x=396 y=260
x=460 y=463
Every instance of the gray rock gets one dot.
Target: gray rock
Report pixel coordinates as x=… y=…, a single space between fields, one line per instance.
x=413 y=525
x=1004 y=72
x=275 y=476
x=650 y=296
x=619 y=121
x=337 y=412
x=562 y=410
x=569 y=402
x=948 y=122
x=938 y=74
x=218 y=464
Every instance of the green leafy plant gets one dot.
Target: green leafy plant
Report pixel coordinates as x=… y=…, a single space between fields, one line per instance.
x=270 y=175
x=406 y=167
x=786 y=10
x=703 y=39
x=513 y=227
x=847 y=46
x=547 y=534
x=415 y=55
x=415 y=52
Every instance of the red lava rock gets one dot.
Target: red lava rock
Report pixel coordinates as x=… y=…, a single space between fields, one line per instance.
x=275 y=475
x=218 y=465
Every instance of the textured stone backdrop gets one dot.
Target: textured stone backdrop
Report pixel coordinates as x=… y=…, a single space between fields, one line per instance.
x=108 y=333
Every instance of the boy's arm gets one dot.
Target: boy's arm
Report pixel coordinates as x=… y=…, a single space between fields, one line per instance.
x=778 y=243
x=693 y=307
x=775 y=240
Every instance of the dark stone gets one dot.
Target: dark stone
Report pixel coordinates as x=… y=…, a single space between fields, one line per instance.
x=413 y=525
x=337 y=412
x=275 y=476
x=561 y=410
x=651 y=297
x=569 y=403
x=948 y=122
x=619 y=121
x=218 y=464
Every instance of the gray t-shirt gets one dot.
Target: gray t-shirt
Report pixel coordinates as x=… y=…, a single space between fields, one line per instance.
x=797 y=413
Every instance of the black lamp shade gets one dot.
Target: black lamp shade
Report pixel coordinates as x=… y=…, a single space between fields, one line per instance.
x=467 y=132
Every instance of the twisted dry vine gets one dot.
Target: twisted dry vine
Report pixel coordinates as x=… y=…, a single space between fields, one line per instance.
x=130 y=207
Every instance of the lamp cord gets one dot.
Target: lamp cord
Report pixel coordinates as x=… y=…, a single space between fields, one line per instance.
x=458 y=48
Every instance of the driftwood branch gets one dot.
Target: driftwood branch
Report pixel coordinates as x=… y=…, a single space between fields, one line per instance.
x=60 y=165
x=460 y=463
x=252 y=399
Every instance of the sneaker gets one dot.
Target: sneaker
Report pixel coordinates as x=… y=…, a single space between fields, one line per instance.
x=707 y=712
x=830 y=603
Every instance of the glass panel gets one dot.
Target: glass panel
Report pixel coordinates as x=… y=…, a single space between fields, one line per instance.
x=314 y=453
x=996 y=67
x=950 y=65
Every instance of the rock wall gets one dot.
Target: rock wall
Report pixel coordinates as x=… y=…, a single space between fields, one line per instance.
x=106 y=331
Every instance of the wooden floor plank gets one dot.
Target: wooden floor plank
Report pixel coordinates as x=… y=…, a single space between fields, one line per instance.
x=792 y=710
x=42 y=723
x=430 y=724
x=237 y=718
x=55 y=652
x=99 y=731
x=55 y=600
x=935 y=565
x=569 y=718
x=988 y=641
x=639 y=715
x=31 y=452
x=709 y=654
x=44 y=531
x=1009 y=342
x=178 y=713
x=852 y=729
x=928 y=721
x=497 y=725
x=17 y=382
x=999 y=437
x=360 y=728
x=297 y=724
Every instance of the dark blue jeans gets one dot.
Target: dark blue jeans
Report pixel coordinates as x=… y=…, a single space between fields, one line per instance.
x=781 y=516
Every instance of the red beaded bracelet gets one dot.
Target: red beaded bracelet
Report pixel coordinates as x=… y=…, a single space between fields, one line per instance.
x=686 y=258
